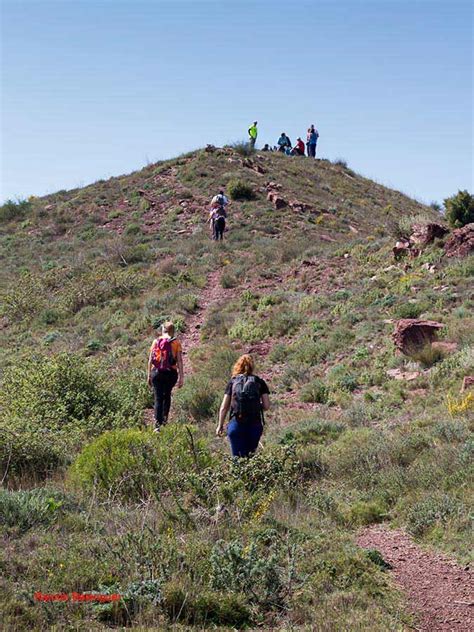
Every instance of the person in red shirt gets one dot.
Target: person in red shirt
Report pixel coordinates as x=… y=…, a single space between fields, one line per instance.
x=298 y=149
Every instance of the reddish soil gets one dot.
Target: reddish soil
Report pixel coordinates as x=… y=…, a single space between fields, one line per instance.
x=440 y=593
x=212 y=295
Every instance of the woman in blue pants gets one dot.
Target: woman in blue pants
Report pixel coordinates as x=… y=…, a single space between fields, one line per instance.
x=246 y=397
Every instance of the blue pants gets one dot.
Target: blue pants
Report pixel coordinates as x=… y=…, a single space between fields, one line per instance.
x=243 y=438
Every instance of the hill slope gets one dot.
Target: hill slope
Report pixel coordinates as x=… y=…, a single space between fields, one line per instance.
x=312 y=290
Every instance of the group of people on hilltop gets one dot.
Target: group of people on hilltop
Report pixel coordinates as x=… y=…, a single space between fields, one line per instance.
x=246 y=395
x=284 y=144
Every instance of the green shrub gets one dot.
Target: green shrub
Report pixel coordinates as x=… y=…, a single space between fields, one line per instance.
x=315 y=391
x=25 y=509
x=432 y=510
x=133 y=464
x=243 y=569
x=366 y=512
x=199 y=398
x=206 y=608
x=312 y=431
x=460 y=209
x=13 y=209
x=409 y=310
x=246 y=331
x=48 y=410
x=376 y=557
x=240 y=190
x=243 y=148
x=359 y=454
x=132 y=229
x=428 y=355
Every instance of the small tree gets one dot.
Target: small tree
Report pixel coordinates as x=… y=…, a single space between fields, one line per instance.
x=460 y=209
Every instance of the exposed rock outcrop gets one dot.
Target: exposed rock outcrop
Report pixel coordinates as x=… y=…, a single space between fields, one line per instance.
x=467 y=383
x=461 y=242
x=412 y=334
x=424 y=234
x=277 y=201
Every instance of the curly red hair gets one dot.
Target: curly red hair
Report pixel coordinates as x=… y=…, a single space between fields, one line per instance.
x=243 y=366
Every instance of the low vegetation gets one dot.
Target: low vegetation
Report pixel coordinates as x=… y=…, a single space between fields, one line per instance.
x=93 y=501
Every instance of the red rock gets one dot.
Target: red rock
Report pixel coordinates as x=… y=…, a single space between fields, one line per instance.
x=277 y=201
x=461 y=242
x=467 y=382
x=401 y=248
x=424 y=234
x=271 y=186
x=299 y=206
x=412 y=334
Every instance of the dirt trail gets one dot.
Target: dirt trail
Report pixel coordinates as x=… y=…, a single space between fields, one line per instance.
x=440 y=593
x=213 y=294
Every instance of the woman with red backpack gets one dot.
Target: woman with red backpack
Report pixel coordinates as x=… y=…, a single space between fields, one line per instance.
x=165 y=370
x=246 y=397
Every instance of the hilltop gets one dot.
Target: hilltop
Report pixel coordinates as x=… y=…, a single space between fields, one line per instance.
x=358 y=435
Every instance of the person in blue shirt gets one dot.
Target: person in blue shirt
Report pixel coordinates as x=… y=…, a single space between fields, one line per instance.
x=283 y=142
x=312 y=140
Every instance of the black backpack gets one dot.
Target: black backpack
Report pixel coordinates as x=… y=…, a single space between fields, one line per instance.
x=246 y=399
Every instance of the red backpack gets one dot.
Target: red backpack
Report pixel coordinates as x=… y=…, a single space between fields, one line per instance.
x=162 y=356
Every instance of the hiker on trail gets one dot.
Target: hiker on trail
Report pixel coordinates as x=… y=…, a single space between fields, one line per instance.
x=220 y=200
x=218 y=215
x=253 y=133
x=312 y=139
x=246 y=397
x=298 y=149
x=165 y=370
x=283 y=142
x=266 y=147
x=217 y=220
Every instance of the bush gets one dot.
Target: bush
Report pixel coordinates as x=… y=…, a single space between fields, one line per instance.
x=133 y=464
x=220 y=609
x=432 y=510
x=12 y=209
x=409 y=310
x=246 y=331
x=243 y=148
x=460 y=209
x=315 y=391
x=26 y=509
x=312 y=431
x=199 y=398
x=239 y=190
x=363 y=513
x=50 y=408
x=359 y=454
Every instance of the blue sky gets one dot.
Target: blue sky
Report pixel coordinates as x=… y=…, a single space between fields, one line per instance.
x=92 y=88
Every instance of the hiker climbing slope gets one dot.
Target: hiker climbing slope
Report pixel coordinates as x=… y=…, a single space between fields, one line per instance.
x=246 y=397
x=165 y=370
x=218 y=215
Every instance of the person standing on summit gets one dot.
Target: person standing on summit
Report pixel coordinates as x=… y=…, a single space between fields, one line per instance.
x=312 y=139
x=253 y=133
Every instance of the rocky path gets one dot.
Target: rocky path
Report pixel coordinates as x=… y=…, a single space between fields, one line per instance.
x=440 y=593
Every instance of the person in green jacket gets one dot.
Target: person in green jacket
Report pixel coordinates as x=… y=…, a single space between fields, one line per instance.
x=253 y=132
